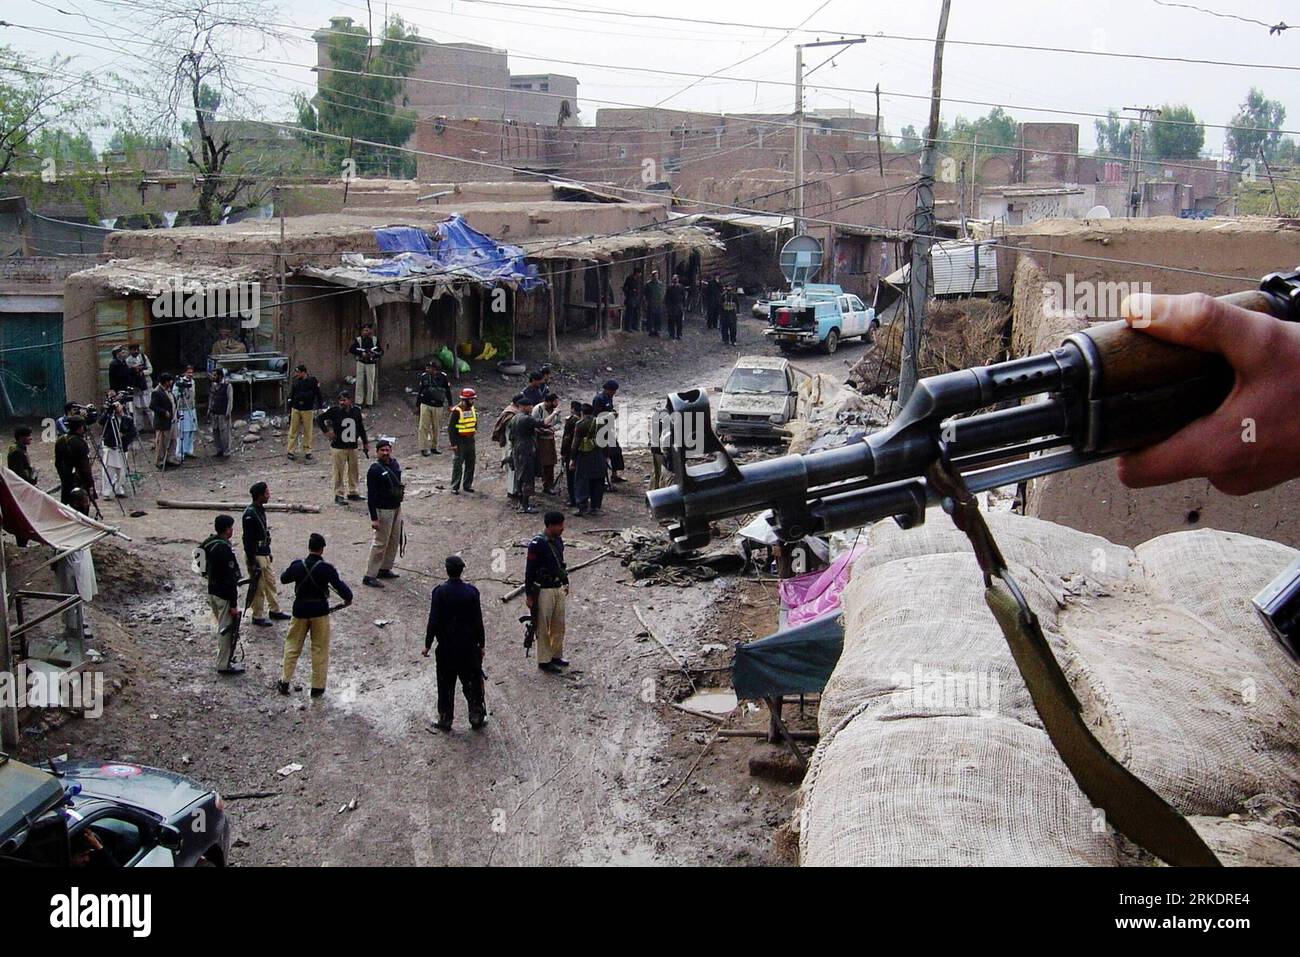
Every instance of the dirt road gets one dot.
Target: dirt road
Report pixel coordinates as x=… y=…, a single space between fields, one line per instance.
x=579 y=769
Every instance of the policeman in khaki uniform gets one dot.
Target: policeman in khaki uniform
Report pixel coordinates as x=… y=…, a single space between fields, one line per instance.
x=312 y=578
x=433 y=397
x=344 y=427
x=221 y=569
x=384 y=491
x=546 y=583
x=257 y=550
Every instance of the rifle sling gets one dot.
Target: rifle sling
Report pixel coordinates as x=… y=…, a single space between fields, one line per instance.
x=1134 y=809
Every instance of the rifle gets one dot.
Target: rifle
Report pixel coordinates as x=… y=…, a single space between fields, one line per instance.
x=1106 y=390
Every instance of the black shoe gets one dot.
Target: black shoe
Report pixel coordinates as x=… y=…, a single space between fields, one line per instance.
x=562 y=662
x=280 y=616
x=317 y=692
x=292 y=457
x=370 y=582
x=443 y=724
x=436 y=451
x=455 y=491
x=262 y=622
x=307 y=456
x=282 y=687
x=387 y=574
x=549 y=667
x=354 y=497
x=528 y=510
x=340 y=500
x=424 y=452
x=477 y=722
x=469 y=490
x=232 y=670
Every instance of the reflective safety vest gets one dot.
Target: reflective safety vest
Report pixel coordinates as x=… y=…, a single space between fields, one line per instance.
x=467 y=423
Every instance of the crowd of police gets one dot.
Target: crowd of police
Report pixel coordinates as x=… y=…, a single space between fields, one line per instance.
x=575 y=456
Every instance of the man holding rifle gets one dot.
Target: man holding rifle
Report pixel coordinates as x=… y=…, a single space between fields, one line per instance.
x=312 y=578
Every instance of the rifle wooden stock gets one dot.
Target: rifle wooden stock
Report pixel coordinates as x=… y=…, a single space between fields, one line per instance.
x=1143 y=389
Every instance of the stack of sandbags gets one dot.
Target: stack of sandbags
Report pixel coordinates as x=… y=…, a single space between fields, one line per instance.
x=931 y=750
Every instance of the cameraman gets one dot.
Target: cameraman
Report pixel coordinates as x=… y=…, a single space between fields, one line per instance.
x=187 y=414
x=141 y=383
x=61 y=423
x=118 y=432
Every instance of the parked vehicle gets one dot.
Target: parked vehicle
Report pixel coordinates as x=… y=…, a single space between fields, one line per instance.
x=93 y=813
x=760 y=397
x=759 y=309
x=818 y=314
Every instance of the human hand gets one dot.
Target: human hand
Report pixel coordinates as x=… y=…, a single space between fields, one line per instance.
x=374 y=523
x=425 y=653
x=1252 y=441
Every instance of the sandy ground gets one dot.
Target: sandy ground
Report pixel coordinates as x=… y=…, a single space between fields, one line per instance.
x=580 y=769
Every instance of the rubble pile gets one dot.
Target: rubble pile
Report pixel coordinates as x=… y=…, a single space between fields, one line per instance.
x=651 y=562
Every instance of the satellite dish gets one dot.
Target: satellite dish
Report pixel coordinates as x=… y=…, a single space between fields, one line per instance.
x=1097 y=212
x=801 y=258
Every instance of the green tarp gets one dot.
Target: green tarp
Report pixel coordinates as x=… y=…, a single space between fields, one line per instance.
x=795 y=661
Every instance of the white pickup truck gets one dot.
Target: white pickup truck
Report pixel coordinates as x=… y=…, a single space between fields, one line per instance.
x=818 y=314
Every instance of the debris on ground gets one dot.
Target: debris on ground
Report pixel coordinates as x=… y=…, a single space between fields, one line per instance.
x=652 y=562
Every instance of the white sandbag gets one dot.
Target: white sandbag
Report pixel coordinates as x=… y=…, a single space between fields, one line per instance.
x=931 y=749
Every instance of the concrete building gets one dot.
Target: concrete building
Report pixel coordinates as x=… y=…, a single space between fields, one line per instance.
x=468 y=80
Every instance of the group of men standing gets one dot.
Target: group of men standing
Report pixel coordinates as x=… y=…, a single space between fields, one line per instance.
x=651 y=302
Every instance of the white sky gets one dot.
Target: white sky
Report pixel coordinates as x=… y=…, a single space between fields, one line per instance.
x=550 y=42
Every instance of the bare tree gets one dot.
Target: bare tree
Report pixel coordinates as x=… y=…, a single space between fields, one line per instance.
x=195 y=43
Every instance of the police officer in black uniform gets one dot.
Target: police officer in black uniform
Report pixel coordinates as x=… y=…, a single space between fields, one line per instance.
x=257 y=550
x=221 y=569
x=312 y=578
x=456 y=623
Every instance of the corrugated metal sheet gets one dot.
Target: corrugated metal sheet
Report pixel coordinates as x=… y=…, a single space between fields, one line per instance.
x=963 y=268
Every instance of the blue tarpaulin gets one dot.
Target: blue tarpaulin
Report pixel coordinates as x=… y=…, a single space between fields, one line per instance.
x=458 y=250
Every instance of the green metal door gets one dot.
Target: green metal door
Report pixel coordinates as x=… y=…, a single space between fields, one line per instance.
x=31 y=364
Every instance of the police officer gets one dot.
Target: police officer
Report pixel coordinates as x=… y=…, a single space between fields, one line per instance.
x=546 y=583
x=433 y=397
x=384 y=499
x=344 y=427
x=312 y=578
x=456 y=623
x=221 y=569
x=304 y=399
x=462 y=425
x=366 y=349
x=257 y=551
x=72 y=460
x=19 y=462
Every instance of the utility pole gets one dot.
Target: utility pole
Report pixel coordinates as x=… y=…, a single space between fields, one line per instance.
x=799 y=227
x=923 y=230
x=798 y=139
x=1135 y=157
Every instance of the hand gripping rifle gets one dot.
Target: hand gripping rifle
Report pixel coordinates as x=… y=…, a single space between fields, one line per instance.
x=1107 y=389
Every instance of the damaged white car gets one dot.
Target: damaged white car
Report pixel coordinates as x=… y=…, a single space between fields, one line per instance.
x=760 y=397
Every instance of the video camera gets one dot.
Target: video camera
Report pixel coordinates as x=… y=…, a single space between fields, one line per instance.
x=530 y=632
x=90 y=413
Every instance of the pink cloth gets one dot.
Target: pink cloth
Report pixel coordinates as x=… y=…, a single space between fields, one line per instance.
x=817 y=593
